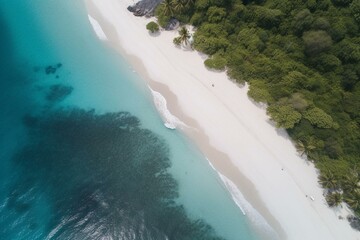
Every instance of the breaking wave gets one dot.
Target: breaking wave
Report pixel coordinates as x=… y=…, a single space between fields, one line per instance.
x=170 y=121
x=97 y=28
x=246 y=208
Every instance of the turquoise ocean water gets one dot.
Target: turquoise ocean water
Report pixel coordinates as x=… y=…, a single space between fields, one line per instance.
x=84 y=154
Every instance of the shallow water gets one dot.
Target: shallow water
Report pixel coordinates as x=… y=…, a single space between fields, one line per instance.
x=84 y=154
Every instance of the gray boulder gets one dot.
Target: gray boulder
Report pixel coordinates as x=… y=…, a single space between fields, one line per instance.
x=172 y=25
x=144 y=7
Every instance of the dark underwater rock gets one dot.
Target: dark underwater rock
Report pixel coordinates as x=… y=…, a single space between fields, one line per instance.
x=58 y=92
x=51 y=69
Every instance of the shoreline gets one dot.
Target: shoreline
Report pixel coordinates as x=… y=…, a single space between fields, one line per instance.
x=232 y=132
x=218 y=160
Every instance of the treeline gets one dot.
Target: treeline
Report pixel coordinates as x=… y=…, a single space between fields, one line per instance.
x=300 y=57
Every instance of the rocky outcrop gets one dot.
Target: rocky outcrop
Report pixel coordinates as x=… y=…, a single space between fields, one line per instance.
x=354 y=222
x=172 y=25
x=144 y=7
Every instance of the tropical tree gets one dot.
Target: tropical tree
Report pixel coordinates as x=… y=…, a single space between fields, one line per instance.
x=301 y=147
x=305 y=148
x=353 y=199
x=341 y=3
x=351 y=181
x=355 y=9
x=177 y=41
x=285 y=116
x=184 y=35
x=178 y=5
x=316 y=42
x=334 y=199
x=319 y=118
x=328 y=180
x=302 y=21
x=168 y=7
x=188 y=3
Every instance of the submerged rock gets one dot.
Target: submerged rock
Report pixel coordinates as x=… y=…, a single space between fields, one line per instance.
x=144 y=7
x=51 y=69
x=58 y=92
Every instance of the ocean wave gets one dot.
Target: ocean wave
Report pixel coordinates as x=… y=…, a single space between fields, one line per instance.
x=97 y=28
x=235 y=193
x=170 y=121
x=246 y=208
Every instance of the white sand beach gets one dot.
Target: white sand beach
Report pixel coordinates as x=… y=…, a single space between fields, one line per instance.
x=233 y=133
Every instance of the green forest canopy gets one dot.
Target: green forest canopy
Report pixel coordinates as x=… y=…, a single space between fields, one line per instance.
x=300 y=57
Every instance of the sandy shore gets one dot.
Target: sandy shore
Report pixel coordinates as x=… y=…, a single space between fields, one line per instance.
x=234 y=134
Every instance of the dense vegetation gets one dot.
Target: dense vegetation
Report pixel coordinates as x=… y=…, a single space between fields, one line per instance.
x=300 y=57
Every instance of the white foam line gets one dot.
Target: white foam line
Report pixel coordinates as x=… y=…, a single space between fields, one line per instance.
x=211 y=165
x=170 y=121
x=246 y=208
x=97 y=28
x=235 y=193
x=229 y=186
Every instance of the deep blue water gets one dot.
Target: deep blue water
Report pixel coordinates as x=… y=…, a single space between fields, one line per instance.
x=83 y=153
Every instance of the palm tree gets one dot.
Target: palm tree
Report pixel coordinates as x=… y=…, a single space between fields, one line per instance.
x=353 y=199
x=306 y=148
x=178 y=5
x=334 y=199
x=187 y=3
x=300 y=147
x=184 y=35
x=351 y=182
x=328 y=180
x=177 y=41
x=168 y=7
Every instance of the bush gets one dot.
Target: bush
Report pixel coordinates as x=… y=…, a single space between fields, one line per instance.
x=152 y=27
x=216 y=62
x=177 y=41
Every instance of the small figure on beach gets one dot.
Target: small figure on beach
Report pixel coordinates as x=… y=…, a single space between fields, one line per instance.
x=213 y=85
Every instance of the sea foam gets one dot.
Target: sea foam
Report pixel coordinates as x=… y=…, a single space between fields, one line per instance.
x=170 y=121
x=246 y=208
x=97 y=28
